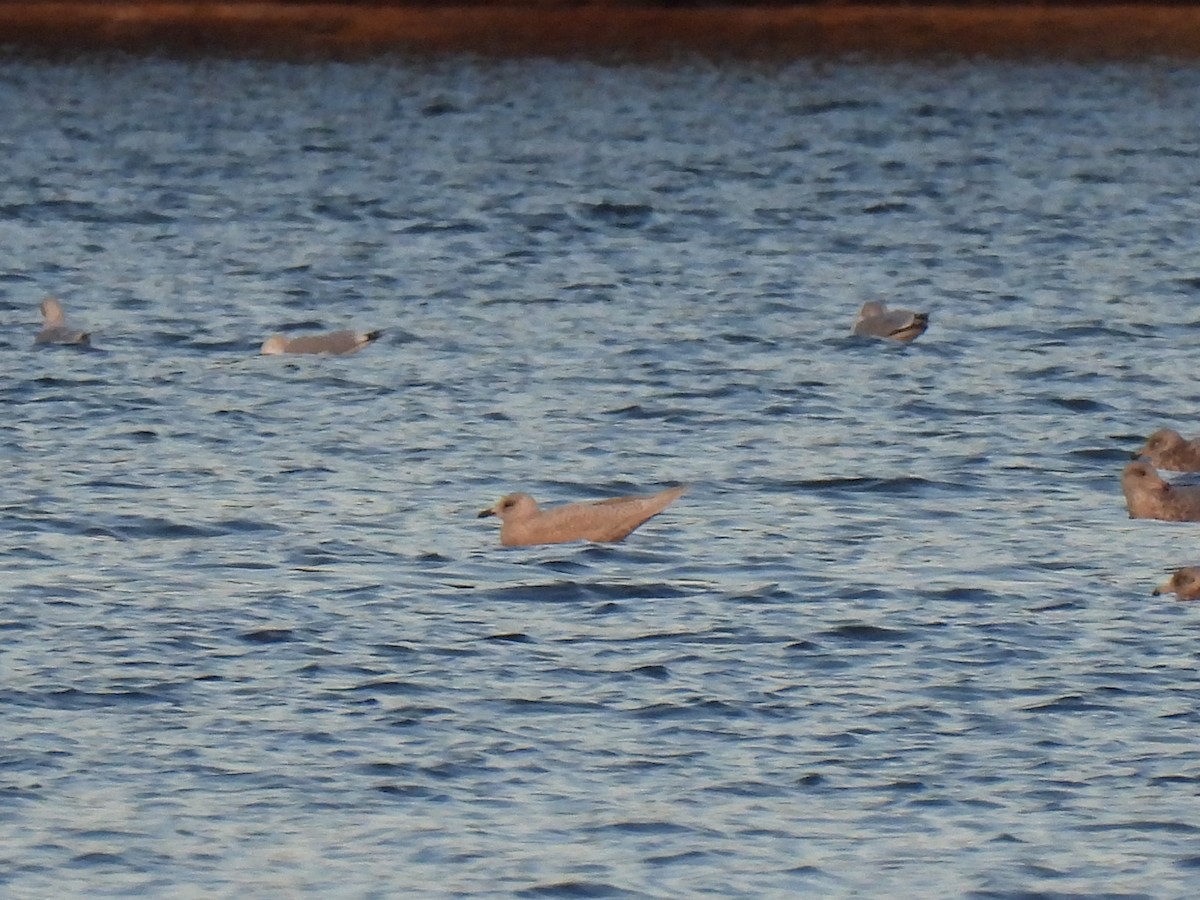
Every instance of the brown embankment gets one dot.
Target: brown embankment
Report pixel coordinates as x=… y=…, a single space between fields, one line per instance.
x=302 y=30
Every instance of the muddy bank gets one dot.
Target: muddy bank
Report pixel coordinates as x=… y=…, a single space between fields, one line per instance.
x=298 y=30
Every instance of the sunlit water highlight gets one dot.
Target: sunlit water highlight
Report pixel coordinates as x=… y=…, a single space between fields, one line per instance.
x=897 y=640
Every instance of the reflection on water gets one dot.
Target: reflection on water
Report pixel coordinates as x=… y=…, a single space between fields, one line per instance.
x=899 y=631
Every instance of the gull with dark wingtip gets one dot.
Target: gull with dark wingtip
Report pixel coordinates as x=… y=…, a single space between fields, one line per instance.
x=876 y=320
x=54 y=326
x=335 y=343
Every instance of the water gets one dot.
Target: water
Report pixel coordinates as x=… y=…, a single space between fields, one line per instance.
x=896 y=641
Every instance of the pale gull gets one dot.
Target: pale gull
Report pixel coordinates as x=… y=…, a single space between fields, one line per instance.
x=1184 y=584
x=1169 y=449
x=1148 y=496
x=54 y=326
x=336 y=343
x=876 y=320
x=523 y=522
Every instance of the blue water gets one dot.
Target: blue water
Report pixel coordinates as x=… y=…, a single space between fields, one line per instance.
x=898 y=639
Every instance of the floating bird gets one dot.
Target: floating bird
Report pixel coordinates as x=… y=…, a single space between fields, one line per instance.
x=1169 y=449
x=54 y=326
x=523 y=522
x=335 y=343
x=1148 y=496
x=1184 y=584
x=876 y=320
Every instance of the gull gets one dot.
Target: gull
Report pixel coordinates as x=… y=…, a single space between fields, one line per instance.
x=876 y=320
x=1169 y=449
x=1184 y=584
x=523 y=522
x=1148 y=496
x=54 y=326
x=336 y=343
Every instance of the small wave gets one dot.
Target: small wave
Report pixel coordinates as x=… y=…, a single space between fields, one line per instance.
x=686 y=857
x=551 y=592
x=396 y=651
x=576 y=890
x=802 y=647
x=618 y=215
x=770 y=591
x=140 y=528
x=391 y=687
x=1149 y=826
x=512 y=637
x=72 y=698
x=1105 y=454
x=890 y=206
x=697 y=709
x=1068 y=703
x=81 y=211
x=656 y=672
x=115 y=484
x=435 y=108
x=413 y=792
x=965 y=595
x=1078 y=404
x=863 y=632
x=267 y=636
x=644 y=826
x=524 y=707
x=442 y=228
x=576 y=591
x=526 y=300
x=827 y=106
x=637 y=412
x=857 y=484
x=98 y=858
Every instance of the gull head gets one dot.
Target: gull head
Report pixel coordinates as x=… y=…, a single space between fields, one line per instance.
x=1164 y=440
x=1184 y=584
x=52 y=313
x=511 y=506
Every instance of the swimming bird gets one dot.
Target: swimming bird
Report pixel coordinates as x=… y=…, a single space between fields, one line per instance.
x=523 y=522
x=876 y=320
x=1184 y=584
x=1148 y=496
x=335 y=343
x=1169 y=449
x=54 y=326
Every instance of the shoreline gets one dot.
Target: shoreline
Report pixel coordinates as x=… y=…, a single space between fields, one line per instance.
x=306 y=31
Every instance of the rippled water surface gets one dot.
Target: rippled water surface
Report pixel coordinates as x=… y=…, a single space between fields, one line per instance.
x=898 y=638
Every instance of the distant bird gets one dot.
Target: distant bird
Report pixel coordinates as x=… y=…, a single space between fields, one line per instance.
x=876 y=320
x=335 y=343
x=1184 y=584
x=54 y=326
x=523 y=522
x=1170 y=450
x=1148 y=496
